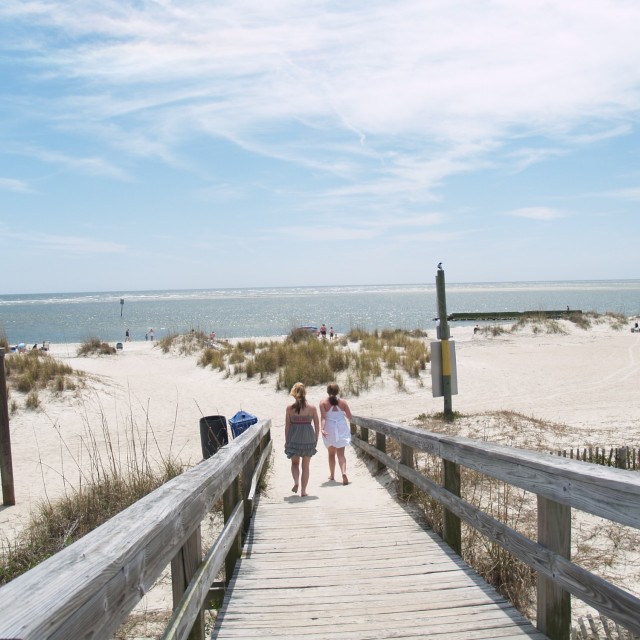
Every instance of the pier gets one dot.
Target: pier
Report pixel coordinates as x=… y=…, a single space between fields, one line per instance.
x=349 y=562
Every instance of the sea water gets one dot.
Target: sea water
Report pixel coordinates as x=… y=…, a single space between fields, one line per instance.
x=259 y=312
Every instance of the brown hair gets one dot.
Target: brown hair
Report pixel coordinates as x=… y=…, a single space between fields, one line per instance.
x=332 y=391
x=299 y=392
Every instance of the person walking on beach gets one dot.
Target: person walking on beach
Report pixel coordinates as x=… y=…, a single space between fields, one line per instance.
x=301 y=433
x=127 y=336
x=323 y=331
x=336 y=434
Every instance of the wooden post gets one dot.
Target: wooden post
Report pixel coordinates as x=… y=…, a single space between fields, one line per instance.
x=554 y=604
x=406 y=458
x=444 y=340
x=451 y=527
x=381 y=445
x=247 y=475
x=6 y=464
x=183 y=566
x=229 y=501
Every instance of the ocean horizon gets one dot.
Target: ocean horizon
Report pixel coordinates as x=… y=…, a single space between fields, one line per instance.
x=272 y=311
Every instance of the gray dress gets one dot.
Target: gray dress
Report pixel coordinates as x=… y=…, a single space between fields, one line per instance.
x=302 y=437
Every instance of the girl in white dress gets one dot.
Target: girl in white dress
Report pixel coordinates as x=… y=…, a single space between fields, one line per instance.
x=336 y=433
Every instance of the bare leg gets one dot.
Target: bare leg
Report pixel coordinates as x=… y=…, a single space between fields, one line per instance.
x=332 y=463
x=342 y=461
x=295 y=472
x=305 y=475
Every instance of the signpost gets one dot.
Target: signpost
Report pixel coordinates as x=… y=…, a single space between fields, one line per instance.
x=443 y=353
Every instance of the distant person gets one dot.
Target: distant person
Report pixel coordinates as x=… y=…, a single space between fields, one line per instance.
x=127 y=336
x=212 y=336
x=301 y=433
x=331 y=334
x=476 y=329
x=336 y=433
x=152 y=334
x=323 y=331
x=146 y=336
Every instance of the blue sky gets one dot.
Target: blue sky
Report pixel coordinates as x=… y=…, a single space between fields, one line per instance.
x=186 y=144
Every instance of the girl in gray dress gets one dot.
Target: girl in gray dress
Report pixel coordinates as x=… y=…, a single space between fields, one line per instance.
x=301 y=432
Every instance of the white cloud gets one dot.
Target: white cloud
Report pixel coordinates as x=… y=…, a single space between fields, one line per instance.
x=429 y=88
x=9 y=184
x=63 y=244
x=537 y=213
x=632 y=194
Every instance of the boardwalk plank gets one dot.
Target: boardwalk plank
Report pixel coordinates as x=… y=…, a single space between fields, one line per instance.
x=361 y=569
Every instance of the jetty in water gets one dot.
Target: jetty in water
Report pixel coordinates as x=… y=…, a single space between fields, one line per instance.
x=477 y=316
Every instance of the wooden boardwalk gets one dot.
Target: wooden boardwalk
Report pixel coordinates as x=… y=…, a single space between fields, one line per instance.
x=352 y=563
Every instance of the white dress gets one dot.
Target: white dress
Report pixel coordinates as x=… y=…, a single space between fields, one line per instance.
x=337 y=427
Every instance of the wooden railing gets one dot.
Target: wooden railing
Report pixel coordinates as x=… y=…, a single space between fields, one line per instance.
x=560 y=485
x=89 y=588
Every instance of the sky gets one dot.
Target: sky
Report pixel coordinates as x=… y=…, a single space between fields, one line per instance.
x=154 y=144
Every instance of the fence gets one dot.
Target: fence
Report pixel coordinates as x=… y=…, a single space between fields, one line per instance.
x=89 y=588
x=619 y=457
x=560 y=485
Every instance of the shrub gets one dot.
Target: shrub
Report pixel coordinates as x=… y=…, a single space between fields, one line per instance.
x=36 y=370
x=94 y=346
x=213 y=358
x=33 y=401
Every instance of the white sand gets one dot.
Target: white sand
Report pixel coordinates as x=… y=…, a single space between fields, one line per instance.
x=587 y=381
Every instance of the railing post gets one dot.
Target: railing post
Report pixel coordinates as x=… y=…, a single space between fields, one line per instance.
x=451 y=527
x=554 y=604
x=406 y=458
x=183 y=566
x=6 y=464
x=247 y=475
x=229 y=502
x=381 y=445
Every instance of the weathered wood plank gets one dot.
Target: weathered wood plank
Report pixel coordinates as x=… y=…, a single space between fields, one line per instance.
x=609 y=493
x=88 y=588
x=189 y=607
x=308 y=576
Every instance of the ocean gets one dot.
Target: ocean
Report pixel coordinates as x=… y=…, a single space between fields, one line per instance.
x=260 y=312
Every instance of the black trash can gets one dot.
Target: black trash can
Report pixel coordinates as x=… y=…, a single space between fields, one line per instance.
x=213 y=434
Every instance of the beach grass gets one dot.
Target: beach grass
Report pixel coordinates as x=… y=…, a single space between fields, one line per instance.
x=34 y=371
x=111 y=479
x=356 y=358
x=95 y=346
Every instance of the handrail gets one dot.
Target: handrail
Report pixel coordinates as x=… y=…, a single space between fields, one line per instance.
x=88 y=589
x=560 y=484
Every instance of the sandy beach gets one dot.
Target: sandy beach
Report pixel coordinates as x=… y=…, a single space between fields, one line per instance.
x=584 y=382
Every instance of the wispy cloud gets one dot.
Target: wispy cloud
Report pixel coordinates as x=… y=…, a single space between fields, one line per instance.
x=537 y=213
x=63 y=244
x=443 y=88
x=10 y=184
x=364 y=229
x=632 y=194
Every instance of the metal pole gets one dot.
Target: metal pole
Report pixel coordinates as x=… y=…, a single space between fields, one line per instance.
x=444 y=339
x=6 y=465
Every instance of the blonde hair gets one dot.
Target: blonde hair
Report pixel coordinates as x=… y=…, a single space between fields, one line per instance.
x=299 y=392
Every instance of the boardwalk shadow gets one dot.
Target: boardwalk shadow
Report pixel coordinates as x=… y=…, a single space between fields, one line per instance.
x=296 y=498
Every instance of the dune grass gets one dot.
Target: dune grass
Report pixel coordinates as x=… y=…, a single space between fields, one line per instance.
x=95 y=347
x=35 y=371
x=110 y=480
x=358 y=358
